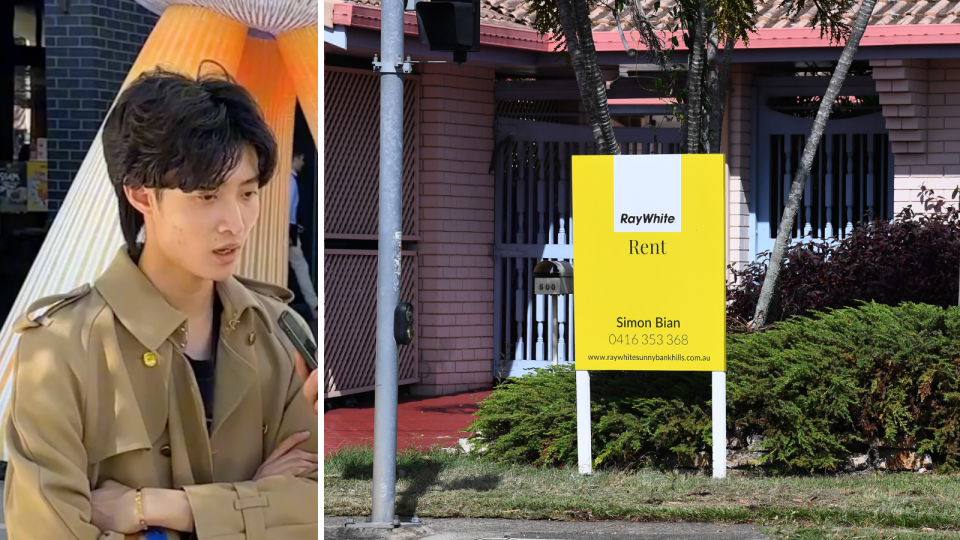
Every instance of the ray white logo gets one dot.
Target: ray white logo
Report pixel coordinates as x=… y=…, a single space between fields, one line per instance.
x=646 y=193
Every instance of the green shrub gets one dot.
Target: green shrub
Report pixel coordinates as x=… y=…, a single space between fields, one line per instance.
x=533 y=419
x=815 y=388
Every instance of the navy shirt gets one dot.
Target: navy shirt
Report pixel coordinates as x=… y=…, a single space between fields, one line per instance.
x=205 y=371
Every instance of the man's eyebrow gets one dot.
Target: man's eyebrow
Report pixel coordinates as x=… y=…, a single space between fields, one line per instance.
x=254 y=180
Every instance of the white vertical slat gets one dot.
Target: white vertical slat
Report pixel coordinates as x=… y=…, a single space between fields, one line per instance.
x=528 y=305
x=540 y=314
x=541 y=194
x=550 y=151
x=807 y=199
x=848 y=185
x=562 y=319
x=871 y=193
x=521 y=299
x=563 y=190
x=828 y=230
x=570 y=332
x=508 y=321
x=551 y=190
x=521 y=308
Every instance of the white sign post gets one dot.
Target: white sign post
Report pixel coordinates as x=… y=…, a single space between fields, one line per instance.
x=719 y=399
x=584 y=436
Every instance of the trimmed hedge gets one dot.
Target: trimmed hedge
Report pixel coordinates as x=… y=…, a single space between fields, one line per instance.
x=817 y=388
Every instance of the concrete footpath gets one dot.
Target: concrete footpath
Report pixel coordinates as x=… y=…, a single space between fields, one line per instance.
x=506 y=529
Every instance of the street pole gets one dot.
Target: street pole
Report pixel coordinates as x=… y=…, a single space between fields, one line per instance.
x=388 y=261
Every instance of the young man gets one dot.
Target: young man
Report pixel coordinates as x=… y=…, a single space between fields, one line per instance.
x=298 y=262
x=163 y=399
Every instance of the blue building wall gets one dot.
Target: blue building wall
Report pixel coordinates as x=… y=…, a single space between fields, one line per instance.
x=90 y=47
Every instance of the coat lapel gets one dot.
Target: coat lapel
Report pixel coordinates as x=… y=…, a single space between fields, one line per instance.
x=191 y=457
x=237 y=372
x=235 y=379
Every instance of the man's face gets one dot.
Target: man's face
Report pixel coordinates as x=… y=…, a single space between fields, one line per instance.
x=204 y=232
x=297 y=163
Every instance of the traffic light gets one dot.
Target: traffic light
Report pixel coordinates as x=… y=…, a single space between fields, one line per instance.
x=450 y=25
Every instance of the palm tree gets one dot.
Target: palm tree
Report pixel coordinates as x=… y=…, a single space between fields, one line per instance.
x=577 y=28
x=703 y=25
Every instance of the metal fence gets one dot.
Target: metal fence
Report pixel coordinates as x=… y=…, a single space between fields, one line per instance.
x=351 y=200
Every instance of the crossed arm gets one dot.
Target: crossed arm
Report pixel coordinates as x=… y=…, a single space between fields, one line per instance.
x=115 y=508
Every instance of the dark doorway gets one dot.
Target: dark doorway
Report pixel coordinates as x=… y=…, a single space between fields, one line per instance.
x=306 y=212
x=23 y=133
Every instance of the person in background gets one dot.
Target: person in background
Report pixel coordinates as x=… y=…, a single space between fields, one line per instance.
x=301 y=268
x=163 y=400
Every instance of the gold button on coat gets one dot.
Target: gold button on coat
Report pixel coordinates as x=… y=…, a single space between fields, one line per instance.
x=149 y=359
x=165 y=450
x=252 y=338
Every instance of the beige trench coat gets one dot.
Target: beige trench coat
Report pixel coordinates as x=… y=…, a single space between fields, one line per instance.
x=103 y=391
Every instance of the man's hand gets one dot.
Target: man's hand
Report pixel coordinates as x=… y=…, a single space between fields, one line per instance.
x=114 y=508
x=311 y=383
x=287 y=460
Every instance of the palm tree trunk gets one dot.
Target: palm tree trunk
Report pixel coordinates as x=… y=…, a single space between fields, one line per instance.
x=569 y=27
x=716 y=121
x=771 y=282
x=711 y=81
x=717 y=87
x=591 y=83
x=694 y=103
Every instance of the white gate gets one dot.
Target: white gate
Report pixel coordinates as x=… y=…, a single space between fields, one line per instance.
x=851 y=180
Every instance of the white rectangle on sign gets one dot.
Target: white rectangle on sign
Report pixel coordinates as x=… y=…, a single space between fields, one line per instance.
x=646 y=199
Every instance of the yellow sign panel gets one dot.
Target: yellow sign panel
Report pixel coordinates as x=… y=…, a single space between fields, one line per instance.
x=650 y=267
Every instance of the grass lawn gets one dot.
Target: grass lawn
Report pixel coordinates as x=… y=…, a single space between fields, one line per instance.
x=439 y=484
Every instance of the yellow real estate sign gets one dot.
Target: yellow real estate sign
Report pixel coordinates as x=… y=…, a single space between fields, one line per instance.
x=650 y=265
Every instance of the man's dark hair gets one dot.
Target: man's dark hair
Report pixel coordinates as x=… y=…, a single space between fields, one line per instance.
x=170 y=131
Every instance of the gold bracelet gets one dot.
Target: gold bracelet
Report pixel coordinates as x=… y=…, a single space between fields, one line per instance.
x=139 y=500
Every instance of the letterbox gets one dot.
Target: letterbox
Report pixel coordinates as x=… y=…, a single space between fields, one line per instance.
x=553 y=278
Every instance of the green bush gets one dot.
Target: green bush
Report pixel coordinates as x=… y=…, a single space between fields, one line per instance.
x=815 y=388
x=533 y=419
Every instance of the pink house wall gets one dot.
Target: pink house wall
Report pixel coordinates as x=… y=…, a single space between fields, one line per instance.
x=921 y=103
x=456 y=229
x=738 y=163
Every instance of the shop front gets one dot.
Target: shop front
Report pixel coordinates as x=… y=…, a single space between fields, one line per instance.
x=23 y=143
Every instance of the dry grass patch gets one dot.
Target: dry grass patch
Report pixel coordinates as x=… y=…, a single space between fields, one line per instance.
x=440 y=484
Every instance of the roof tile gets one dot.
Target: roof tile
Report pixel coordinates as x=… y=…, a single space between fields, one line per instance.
x=770 y=13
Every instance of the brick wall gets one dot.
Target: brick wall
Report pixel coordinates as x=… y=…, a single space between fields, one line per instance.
x=738 y=161
x=90 y=46
x=922 y=110
x=456 y=229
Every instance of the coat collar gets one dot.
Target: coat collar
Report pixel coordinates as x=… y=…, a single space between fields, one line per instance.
x=143 y=311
